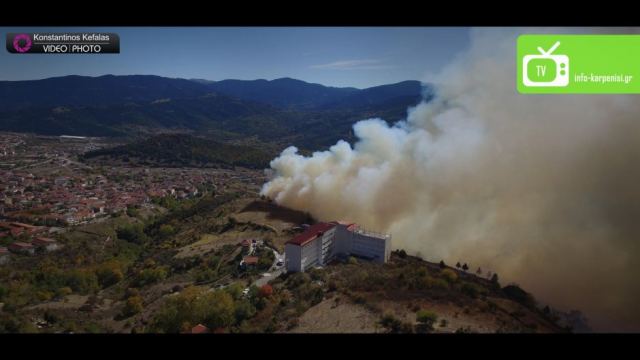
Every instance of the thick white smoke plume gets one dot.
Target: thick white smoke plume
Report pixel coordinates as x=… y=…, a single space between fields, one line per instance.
x=542 y=189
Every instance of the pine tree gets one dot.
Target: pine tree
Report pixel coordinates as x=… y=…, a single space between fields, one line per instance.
x=442 y=264
x=458 y=265
x=494 y=278
x=479 y=271
x=465 y=267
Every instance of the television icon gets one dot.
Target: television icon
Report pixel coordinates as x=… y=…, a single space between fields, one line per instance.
x=546 y=70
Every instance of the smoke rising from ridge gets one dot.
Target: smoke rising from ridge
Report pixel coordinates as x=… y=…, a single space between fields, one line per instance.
x=542 y=189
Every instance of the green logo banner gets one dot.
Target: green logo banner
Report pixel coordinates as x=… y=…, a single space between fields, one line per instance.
x=578 y=64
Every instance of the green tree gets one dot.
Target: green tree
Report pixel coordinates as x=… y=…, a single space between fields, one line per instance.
x=494 y=279
x=192 y=306
x=244 y=310
x=109 y=273
x=132 y=211
x=235 y=290
x=132 y=233
x=82 y=281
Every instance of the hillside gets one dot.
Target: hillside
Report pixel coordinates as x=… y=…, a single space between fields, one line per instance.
x=179 y=150
x=174 y=269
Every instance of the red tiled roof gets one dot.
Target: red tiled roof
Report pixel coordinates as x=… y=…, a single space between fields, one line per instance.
x=250 y=260
x=199 y=329
x=311 y=233
x=20 y=245
x=43 y=241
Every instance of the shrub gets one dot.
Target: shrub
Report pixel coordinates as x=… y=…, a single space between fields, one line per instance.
x=64 y=291
x=132 y=306
x=44 y=295
x=150 y=276
x=464 y=330
x=429 y=282
x=426 y=319
x=265 y=260
x=166 y=230
x=132 y=211
x=352 y=260
x=449 y=275
x=471 y=290
x=391 y=323
x=316 y=295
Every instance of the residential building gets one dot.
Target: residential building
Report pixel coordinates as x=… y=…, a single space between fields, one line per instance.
x=46 y=243
x=21 y=248
x=4 y=255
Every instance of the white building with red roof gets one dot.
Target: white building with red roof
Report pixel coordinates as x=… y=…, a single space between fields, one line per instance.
x=323 y=242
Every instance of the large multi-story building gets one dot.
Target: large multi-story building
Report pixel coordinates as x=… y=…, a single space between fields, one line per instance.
x=323 y=242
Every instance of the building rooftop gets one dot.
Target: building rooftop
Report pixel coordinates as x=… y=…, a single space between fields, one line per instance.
x=199 y=329
x=22 y=245
x=250 y=260
x=311 y=233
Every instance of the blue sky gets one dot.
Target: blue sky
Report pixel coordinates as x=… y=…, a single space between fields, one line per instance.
x=358 y=57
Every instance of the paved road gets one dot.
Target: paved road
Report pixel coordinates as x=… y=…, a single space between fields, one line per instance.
x=273 y=272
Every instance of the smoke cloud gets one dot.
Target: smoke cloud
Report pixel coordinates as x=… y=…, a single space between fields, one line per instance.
x=542 y=189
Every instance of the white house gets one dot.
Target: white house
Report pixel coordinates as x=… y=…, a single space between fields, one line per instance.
x=4 y=255
x=322 y=242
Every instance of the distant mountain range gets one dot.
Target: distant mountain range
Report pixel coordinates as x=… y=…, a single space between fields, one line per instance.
x=281 y=110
